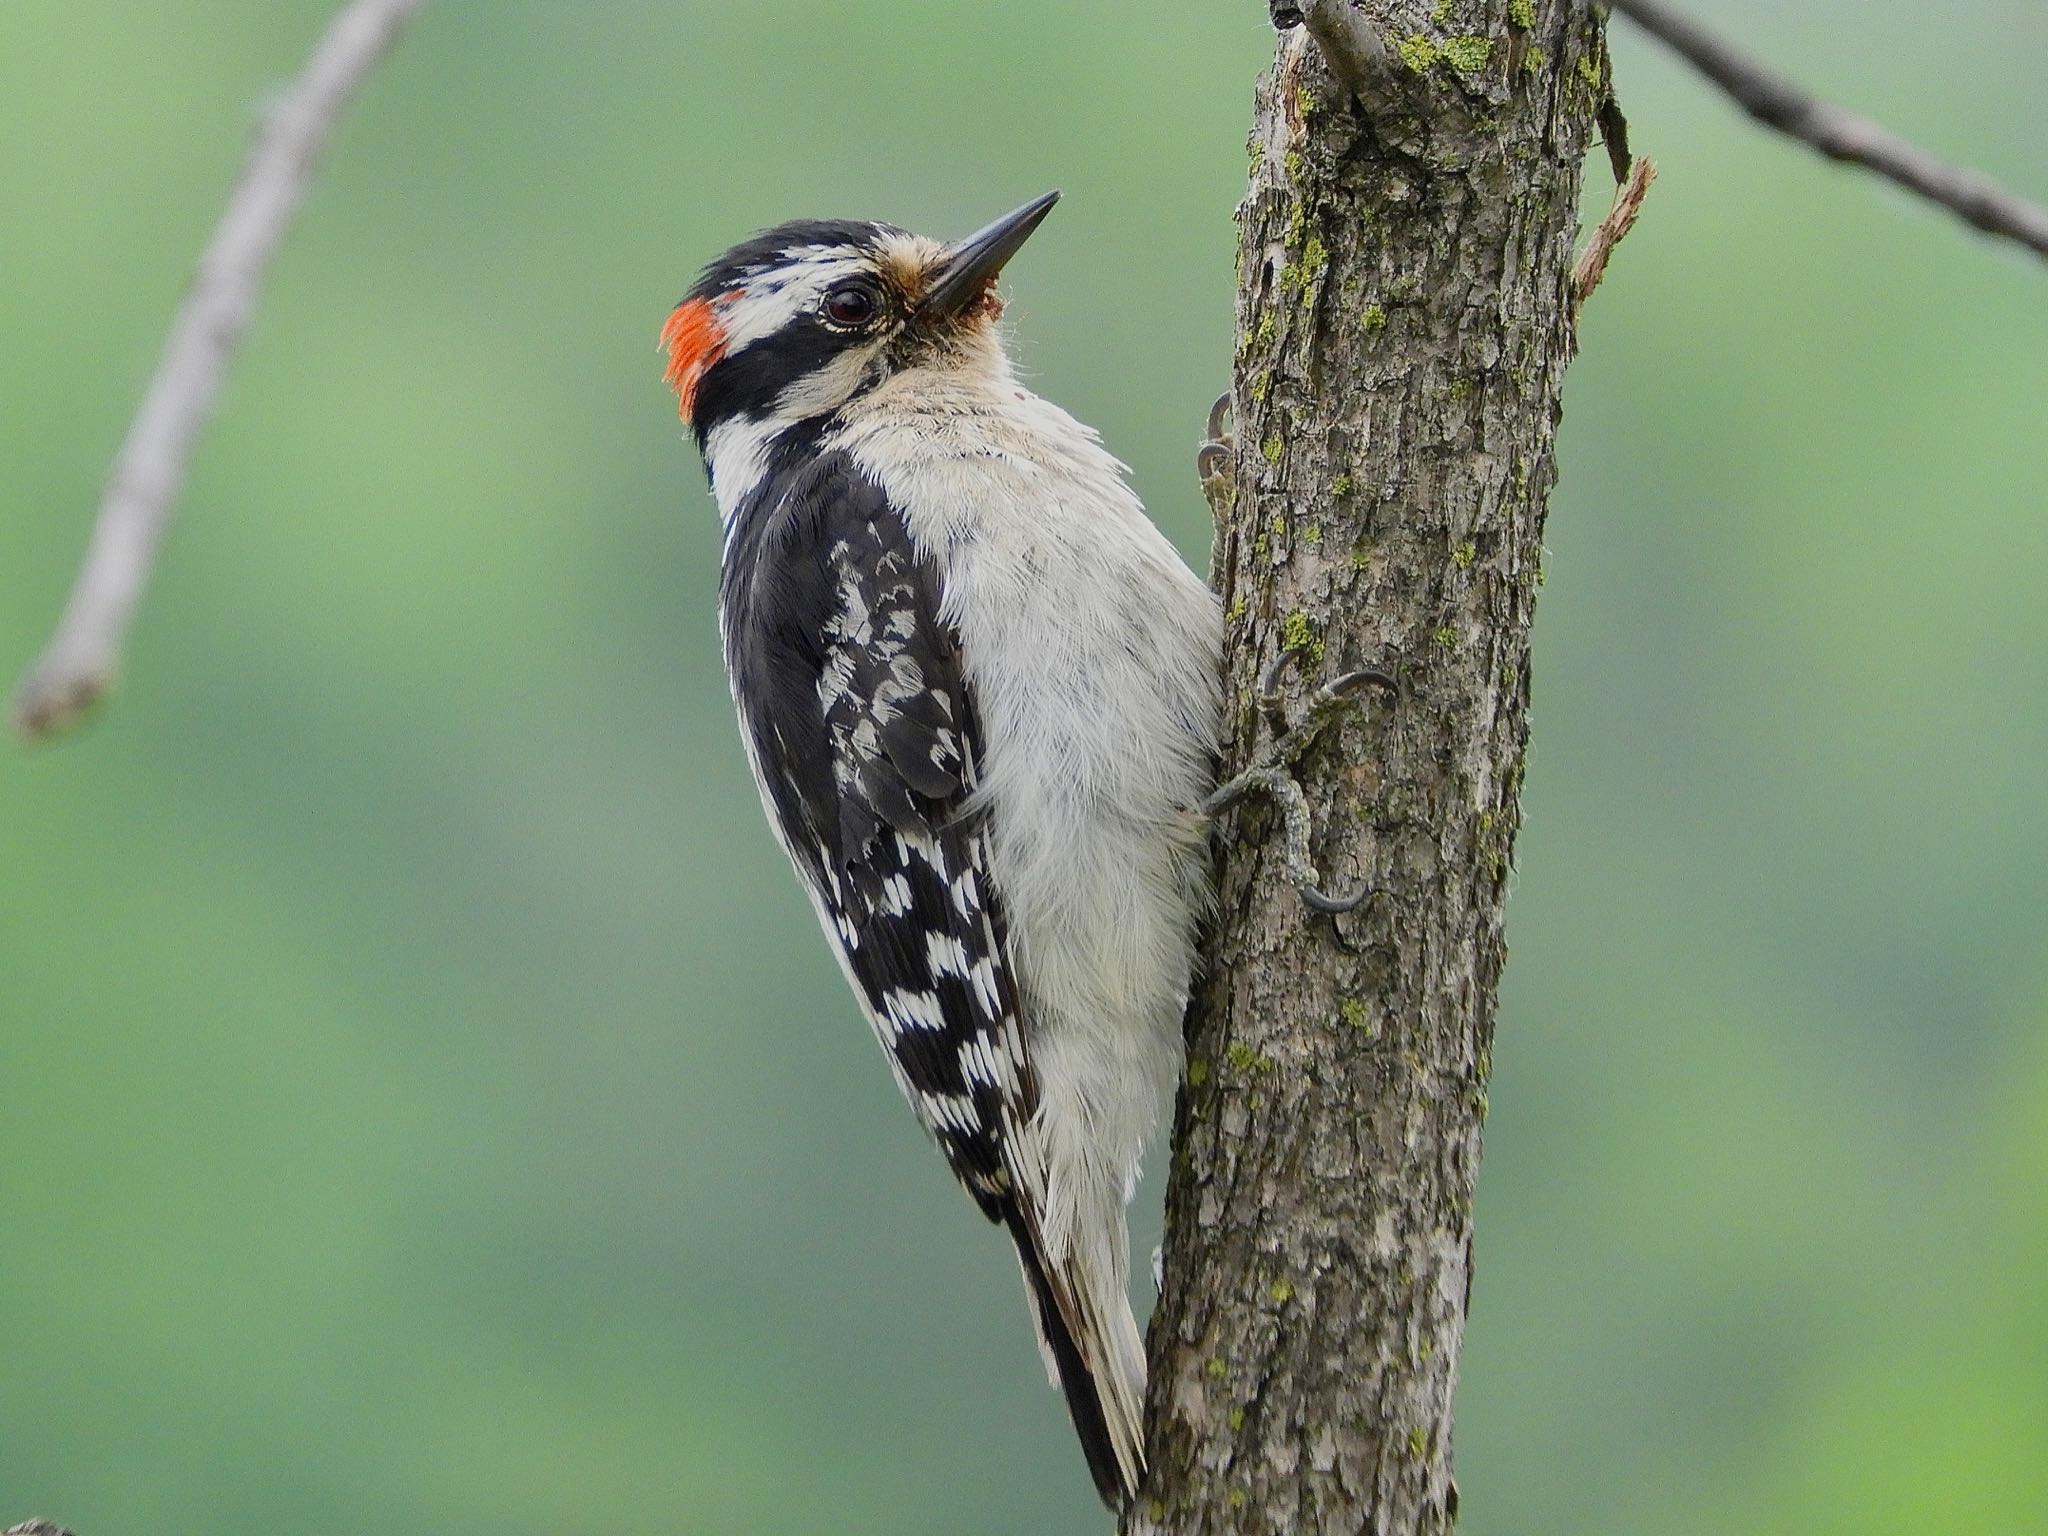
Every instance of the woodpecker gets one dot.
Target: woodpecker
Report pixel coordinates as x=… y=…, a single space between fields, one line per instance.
x=979 y=693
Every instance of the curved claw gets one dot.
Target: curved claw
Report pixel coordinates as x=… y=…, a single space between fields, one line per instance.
x=1270 y=701
x=1213 y=460
x=1296 y=862
x=1272 y=775
x=1269 y=676
x=1219 y=413
x=1322 y=901
x=1294 y=737
x=1337 y=688
x=1351 y=682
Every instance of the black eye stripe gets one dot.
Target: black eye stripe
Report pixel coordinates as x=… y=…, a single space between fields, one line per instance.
x=747 y=380
x=783 y=304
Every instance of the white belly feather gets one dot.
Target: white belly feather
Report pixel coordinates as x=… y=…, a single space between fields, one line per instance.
x=1092 y=653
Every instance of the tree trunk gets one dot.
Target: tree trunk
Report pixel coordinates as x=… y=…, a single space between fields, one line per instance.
x=1403 y=325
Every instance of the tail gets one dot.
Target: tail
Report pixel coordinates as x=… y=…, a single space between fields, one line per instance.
x=1092 y=1353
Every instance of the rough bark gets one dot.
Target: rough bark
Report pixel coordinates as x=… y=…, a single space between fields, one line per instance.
x=1404 y=321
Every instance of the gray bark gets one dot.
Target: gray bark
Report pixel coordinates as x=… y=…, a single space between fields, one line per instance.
x=1404 y=321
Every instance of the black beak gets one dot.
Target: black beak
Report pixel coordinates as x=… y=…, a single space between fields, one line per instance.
x=973 y=262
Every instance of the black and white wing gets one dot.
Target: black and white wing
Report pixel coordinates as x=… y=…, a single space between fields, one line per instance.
x=860 y=732
x=862 y=735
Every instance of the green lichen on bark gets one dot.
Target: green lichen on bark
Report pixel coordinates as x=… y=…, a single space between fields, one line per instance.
x=1468 y=55
x=1298 y=635
x=1403 y=335
x=1418 y=52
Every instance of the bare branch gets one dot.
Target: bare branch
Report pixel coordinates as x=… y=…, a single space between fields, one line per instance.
x=1621 y=218
x=1840 y=134
x=142 y=488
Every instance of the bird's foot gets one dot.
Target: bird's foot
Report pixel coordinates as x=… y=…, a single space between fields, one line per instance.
x=1216 y=459
x=1272 y=773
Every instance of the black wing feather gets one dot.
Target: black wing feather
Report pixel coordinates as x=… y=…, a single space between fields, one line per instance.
x=861 y=731
x=860 y=728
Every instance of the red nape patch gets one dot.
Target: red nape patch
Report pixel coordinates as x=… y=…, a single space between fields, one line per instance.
x=694 y=341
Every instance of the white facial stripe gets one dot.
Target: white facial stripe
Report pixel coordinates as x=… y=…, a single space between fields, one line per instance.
x=776 y=296
x=736 y=452
x=828 y=387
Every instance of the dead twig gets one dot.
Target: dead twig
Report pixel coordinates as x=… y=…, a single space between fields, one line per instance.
x=1621 y=218
x=142 y=488
x=1358 y=55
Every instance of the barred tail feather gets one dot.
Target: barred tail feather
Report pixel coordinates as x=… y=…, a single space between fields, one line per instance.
x=1093 y=1354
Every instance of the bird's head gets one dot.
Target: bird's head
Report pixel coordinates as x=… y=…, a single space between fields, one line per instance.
x=797 y=321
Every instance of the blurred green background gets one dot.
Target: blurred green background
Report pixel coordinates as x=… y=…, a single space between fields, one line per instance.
x=428 y=1105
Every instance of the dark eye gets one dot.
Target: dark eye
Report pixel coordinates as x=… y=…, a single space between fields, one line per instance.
x=851 y=304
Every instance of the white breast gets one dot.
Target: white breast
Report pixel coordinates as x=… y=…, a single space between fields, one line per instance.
x=1092 y=653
